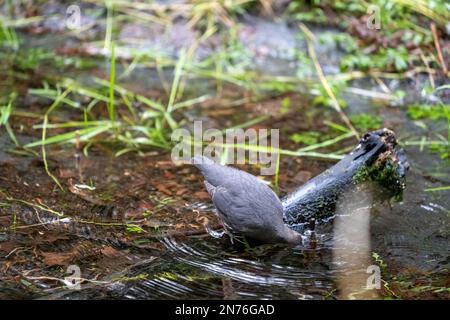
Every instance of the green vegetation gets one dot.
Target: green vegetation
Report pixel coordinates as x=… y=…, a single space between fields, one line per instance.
x=428 y=111
x=365 y=122
x=436 y=113
x=153 y=127
x=308 y=138
x=5 y=113
x=402 y=24
x=134 y=121
x=387 y=59
x=385 y=174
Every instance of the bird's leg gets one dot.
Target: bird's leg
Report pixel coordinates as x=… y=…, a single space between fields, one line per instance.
x=233 y=237
x=217 y=234
x=227 y=230
x=214 y=233
x=312 y=225
x=311 y=233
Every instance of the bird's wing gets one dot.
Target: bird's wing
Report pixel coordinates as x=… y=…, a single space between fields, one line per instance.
x=235 y=210
x=210 y=188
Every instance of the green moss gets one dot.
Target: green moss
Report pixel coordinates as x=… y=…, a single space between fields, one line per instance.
x=386 y=175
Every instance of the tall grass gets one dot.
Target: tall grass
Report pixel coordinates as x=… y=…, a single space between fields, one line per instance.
x=112 y=79
x=151 y=126
x=109 y=25
x=55 y=104
x=312 y=53
x=8 y=37
x=5 y=113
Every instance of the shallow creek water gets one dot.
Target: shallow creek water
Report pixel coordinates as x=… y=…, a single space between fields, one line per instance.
x=411 y=237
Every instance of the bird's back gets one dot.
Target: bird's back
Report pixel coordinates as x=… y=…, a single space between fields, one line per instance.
x=245 y=203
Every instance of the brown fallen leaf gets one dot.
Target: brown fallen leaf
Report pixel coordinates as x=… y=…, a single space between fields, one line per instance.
x=164 y=165
x=52 y=237
x=6 y=266
x=5 y=221
x=180 y=226
x=67 y=173
x=8 y=246
x=182 y=191
x=169 y=175
x=202 y=220
x=86 y=195
x=164 y=189
x=110 y=252
x=202 y=195
x=58 y=258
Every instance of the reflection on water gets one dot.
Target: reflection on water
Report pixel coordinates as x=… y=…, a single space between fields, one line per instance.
x=351 y=253
x=208 y=268
x=204 y=267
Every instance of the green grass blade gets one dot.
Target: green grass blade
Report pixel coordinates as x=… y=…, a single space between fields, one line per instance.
x=69 y=137
x=327 y=142
x=112 y=78
x=437 y=189
x=176 y=80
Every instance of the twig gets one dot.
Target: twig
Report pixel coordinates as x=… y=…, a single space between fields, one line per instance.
x=382 y=85
x=370 y=94
x=425 y=62
x=65 y=281
x=185 y=233
x=438 y=48
x=14 y=250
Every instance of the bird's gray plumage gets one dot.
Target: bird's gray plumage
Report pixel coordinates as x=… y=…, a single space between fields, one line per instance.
x=245 y=204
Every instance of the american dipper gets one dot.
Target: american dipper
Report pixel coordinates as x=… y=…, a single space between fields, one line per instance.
x=245 y=204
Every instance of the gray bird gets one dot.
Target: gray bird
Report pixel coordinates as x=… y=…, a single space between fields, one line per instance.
x=246 y=205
